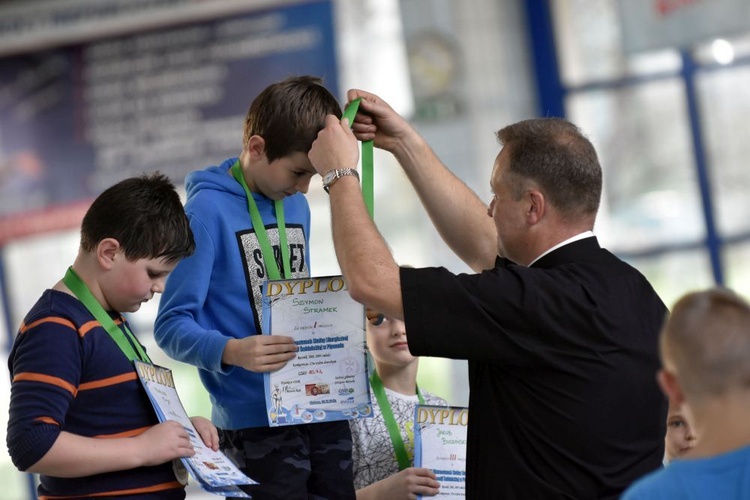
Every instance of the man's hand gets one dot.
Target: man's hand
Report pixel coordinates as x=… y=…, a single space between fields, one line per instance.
x=260 y=353
x=335 y=147
x=377 y=121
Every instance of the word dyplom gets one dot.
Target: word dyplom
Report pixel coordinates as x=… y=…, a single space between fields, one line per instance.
x=152 y=373
x=442 y=416
x=301 y=287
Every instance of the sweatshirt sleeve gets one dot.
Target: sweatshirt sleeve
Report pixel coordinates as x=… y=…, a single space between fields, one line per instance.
x=176 y=330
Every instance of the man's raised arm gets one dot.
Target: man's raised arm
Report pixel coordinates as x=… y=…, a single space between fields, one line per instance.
x=456 y=211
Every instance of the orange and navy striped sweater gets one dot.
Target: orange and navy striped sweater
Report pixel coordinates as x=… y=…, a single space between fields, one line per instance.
x=67 y=374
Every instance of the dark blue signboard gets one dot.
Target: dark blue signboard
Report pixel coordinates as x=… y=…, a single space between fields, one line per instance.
x=76 y=119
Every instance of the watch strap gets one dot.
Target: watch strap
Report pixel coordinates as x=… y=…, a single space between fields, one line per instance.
x=332 y=176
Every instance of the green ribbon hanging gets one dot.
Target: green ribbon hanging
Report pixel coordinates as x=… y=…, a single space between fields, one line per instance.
x=390 y=421
x=125 y=340
x=367 y=159
x=272 y=269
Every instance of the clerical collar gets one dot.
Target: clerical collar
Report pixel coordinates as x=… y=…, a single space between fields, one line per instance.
x=583 y=235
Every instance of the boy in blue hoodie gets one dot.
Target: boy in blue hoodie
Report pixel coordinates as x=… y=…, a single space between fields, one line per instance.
x=251 y=222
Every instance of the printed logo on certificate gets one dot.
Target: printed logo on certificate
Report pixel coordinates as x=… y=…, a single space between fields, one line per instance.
x=213 y=470
x=327 y=380
x=440 y=445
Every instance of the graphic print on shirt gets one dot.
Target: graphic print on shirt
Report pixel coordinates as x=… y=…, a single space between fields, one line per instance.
x=372 y=448
x=255 y=269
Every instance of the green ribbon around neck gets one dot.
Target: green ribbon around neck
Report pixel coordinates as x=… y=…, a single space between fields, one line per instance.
x=272 y=268
x=390 y=420
x=125 y=340
x=367 y=159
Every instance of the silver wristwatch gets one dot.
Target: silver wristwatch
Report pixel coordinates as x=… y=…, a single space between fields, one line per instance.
x=333 y=175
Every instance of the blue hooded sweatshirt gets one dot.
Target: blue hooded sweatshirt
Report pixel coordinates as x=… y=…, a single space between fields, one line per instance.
x=215 y=294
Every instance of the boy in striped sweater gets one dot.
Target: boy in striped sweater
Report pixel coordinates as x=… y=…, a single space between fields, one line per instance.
x=78 y=414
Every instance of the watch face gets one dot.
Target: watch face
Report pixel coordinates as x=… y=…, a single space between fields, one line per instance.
x=328 y=178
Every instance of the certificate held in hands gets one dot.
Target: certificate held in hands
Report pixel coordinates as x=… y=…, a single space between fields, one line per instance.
x=213 y=470
x=327 y=380
x=440 y=445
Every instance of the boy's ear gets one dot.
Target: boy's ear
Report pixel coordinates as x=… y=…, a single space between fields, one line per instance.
x=256 y=145
x=106 y=251
x=670 y=386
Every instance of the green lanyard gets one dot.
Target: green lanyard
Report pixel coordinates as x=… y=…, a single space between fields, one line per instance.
x=272 y=268
x=127 y=342
x=390 y=420
x=367 y=159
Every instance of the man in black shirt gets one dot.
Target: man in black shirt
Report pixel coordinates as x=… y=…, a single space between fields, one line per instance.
x=561 y=335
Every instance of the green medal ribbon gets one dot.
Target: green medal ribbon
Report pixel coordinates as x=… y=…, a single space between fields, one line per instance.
x=272 y=268
x=390 y=420
x=367 y=159
x=125 y=340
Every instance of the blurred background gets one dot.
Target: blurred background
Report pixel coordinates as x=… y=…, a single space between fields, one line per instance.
x=93 y=91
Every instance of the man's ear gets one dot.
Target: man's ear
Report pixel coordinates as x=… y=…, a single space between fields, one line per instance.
x=256 y=145
x=536 y=206
x=670 y=386
x=106 y=252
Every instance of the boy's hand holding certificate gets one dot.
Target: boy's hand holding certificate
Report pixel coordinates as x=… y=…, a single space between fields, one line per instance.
x=213 y=470
x=328 y=378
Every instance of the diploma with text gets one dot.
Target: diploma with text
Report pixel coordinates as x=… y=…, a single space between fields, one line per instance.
x=212 y=469
x=440 y=445
x=327 y=380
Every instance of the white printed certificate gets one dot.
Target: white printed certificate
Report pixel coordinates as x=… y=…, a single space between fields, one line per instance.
x=212 y=469
x=327 y=380
x=440 y=445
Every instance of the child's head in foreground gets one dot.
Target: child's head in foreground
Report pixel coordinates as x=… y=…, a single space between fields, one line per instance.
x=705 y=348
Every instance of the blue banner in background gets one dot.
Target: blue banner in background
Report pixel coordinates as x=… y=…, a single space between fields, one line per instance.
x=75 y=120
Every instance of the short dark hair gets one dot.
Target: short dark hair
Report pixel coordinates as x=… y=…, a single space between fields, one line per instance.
x=555 y=154
x=145 y=215
x=289 y=114
x=707 y=337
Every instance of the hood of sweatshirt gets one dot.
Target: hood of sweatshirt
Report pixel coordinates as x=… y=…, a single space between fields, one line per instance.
x=215 y=178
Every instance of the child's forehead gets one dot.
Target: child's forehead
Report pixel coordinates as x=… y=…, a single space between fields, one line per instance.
x=309 y=168
x=298 y=161
x=160 y=263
